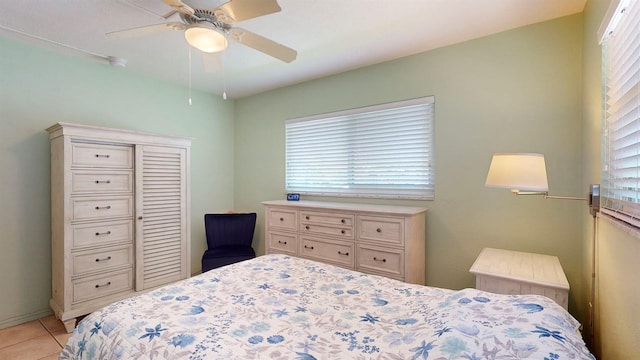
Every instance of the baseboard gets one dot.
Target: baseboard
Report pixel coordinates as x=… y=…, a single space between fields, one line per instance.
x=21 y=319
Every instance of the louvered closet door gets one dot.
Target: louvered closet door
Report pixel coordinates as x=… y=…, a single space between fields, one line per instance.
x=161 y=205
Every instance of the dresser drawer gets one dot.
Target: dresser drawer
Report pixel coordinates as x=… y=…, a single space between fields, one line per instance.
x=323 y=218
x=101 y=285
x=498 y=285
x=316 y=229
x=327 y=250
x=86 y=262
x=101 y=182
x=96 y=155
x=282 y=218
x=323 y=223
x=282 y=242
x=102 y=207
x=388 y=262
x=102 y=233
x=381 y=230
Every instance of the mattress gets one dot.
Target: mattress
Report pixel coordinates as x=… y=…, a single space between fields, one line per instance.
x=283 y=307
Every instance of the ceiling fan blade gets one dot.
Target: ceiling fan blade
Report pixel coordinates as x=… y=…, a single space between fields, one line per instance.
x=239 y=10
x=170 y=14
x=145 y=30
x=212 y=62
x=179 y=6
x=263 y=44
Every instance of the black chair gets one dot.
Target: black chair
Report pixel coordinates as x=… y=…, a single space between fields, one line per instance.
x=229 y=238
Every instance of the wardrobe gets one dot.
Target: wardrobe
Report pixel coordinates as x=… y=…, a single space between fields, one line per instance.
x=119 y=215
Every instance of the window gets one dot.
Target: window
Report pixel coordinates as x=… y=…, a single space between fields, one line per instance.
x=621 y=102
x=377 y=151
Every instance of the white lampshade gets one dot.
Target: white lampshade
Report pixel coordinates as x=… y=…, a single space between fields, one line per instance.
x=205 y=37
x=518 y=172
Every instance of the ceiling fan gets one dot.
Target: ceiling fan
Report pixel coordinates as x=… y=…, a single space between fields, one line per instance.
x=209 y=29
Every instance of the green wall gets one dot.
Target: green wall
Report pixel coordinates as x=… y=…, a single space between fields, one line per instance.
x=517 y=91
x=591 y=133
x=617 y=325
x=39 y=87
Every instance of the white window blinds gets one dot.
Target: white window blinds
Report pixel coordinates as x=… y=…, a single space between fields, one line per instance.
x=378 y=151
x=621 y=128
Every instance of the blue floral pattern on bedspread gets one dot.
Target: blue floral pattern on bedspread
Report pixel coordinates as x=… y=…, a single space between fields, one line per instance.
x=282 y=307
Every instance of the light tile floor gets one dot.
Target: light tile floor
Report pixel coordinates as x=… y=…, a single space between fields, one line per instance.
x=40 y=339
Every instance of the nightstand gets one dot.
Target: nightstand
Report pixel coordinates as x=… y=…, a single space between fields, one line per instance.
x=515 y=272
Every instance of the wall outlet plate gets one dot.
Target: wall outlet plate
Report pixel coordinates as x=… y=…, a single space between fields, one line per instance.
x=594 y=198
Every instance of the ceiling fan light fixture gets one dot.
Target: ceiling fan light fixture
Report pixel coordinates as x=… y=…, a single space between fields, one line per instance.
x=205 y=37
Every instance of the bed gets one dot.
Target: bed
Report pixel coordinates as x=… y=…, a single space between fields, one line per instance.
x=283 y=307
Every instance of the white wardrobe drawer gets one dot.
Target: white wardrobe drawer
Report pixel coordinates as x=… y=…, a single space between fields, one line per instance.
x=102 y=233
x=327 y=251
x=282 y=242
x=282 y=218
x=86 y=262
x=381 y=230
x=102 y=207
x=101 y=285
x=97 y=155
x=101 y=182
x=388 y=262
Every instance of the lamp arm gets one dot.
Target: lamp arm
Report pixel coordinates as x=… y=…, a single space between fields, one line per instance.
x=593 y=200
x=565 y=197
x=546 y=195
x=518 y=192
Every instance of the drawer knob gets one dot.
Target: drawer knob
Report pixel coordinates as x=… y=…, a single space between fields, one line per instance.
x=343 y=221
x=307 y=227
x=307 y=217
x=342 y=231
x=103 y=207
x=282 y=242
x=281 y=219
x=381 y=260
x=105 y=259
x=103 y=181
x=103 y=233
x=103 y=155
x=139 y=217
x=343 y=253
x=103 y=285
x=308 y=247
x=379 y=230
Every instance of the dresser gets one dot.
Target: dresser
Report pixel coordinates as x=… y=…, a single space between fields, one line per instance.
x=119 y=215
x=514 y=272
x=375 y=239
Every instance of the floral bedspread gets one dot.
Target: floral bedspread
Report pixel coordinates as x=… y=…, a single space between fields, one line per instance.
x=282 y=307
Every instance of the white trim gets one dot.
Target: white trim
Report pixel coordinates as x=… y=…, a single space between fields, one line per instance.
x=616 y=221
x=23 y=318
x=365 y=195
x=385 y=106
x=611 y=18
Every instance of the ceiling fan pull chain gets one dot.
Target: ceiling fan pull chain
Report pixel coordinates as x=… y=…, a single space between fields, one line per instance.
x=189 y=47
x=224 y=75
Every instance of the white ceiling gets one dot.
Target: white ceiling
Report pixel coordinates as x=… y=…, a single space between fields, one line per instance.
x=330 y=36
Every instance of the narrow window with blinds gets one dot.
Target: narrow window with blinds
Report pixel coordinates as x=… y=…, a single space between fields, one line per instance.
x=621 y=101
x=381 y=151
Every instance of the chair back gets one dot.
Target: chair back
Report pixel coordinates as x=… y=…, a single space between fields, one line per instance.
x=232 y=229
